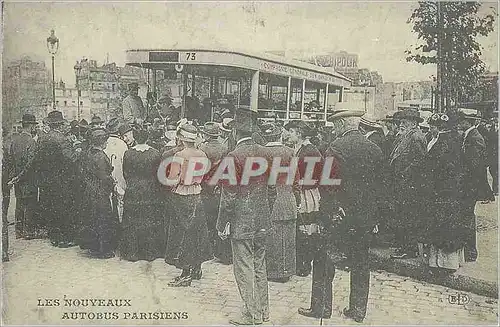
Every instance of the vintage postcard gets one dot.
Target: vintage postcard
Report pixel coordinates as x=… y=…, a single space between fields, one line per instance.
x=249 y=163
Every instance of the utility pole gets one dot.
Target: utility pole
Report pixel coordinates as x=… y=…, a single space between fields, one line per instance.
x=439 y=57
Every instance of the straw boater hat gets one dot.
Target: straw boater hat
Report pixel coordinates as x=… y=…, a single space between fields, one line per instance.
x=211 y=129
x=98 y=132
x=187 y=132
x=28 y=119
x=345 y=113
x=370 y=122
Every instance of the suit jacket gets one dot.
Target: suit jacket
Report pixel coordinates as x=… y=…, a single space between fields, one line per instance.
x=309 y=150
x=473 y=155
x=245 y=207
x=21 y=152
x=54 y=162
x=360 y=169
x=133 y=108
x=282 y=199
x=215 y=151
x=406 y=161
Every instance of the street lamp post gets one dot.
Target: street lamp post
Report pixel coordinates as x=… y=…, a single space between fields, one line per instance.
x=53 y=46
x=78 y=69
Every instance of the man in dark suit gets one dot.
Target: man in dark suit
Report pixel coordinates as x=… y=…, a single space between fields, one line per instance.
x=473 y=156
x=406 y=161
x=245 y=207
x=358 y=164
x=54 y=164
x=210 y=194
x=21 y=152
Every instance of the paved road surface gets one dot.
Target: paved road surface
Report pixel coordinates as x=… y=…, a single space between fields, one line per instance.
x=39 y=271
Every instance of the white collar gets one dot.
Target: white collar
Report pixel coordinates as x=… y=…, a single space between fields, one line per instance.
x=141 y=147
x=275 y=143
x=243 y=139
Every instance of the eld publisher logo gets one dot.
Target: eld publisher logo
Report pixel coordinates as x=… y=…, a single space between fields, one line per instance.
x=458 y=299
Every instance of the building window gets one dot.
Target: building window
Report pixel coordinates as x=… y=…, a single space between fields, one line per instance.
x=73 y=101
x=81 y=103
x=57 y=102
x=113 y=87
x=108 y=95
x=92 y=87
x=65 y=103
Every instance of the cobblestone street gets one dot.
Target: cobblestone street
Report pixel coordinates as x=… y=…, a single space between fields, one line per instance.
x=39 y=271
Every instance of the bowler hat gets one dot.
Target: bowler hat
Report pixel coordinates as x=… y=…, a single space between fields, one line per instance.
x=245 y=121
x=28 y=119
x=113 y=125
x=410 y=114
x=55 y=117
x=306 y=129
x=124 y=128
x=133 y=86
x=96 y=120
x=98 y=132
x=211 y=129
x=187 y=132
x=345 y=113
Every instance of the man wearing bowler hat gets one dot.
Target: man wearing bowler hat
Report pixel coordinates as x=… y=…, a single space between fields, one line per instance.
x=21 y=152
x=133 y=108
x=406 y=163
x=244 y=217
x=54 y=165
x=472 y=156
x=210 y=194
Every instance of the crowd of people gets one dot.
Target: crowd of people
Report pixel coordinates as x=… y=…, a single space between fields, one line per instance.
x=95 y=185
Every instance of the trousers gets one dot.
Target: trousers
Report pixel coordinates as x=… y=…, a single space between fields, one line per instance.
x=468 y=207
x=324 y=273
x=249 y=265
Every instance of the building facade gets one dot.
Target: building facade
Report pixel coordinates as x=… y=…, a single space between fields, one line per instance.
x=72 y=106
x=25 y=89
x=106 y=86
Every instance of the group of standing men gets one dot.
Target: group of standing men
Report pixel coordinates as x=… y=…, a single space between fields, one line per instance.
x=274 y=231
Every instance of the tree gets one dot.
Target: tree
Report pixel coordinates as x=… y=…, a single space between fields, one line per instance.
x=448 y=32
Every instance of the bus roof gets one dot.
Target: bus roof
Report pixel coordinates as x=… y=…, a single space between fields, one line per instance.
x=267 y=63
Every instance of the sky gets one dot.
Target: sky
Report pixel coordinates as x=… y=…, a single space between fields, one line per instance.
x=376 y=31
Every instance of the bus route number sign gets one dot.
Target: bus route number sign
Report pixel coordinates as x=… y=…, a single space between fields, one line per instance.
x=190 y=56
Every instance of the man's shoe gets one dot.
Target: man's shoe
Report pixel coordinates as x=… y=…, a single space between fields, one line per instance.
x=196 y=274
x=350 y=314
x=181 y=282
x=313 y=314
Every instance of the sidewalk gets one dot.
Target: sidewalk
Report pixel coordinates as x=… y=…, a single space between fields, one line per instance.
x=480 y=277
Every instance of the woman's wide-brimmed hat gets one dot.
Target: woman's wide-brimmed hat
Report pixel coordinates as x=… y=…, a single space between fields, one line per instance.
x=410 y=114
x=211 y=129
x=187 y=132
x=55 y=117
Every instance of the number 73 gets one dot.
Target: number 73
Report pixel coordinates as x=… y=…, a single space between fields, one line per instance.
x=190 y=55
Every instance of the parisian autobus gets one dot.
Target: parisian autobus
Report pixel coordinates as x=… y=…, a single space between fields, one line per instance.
x=206 y=82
